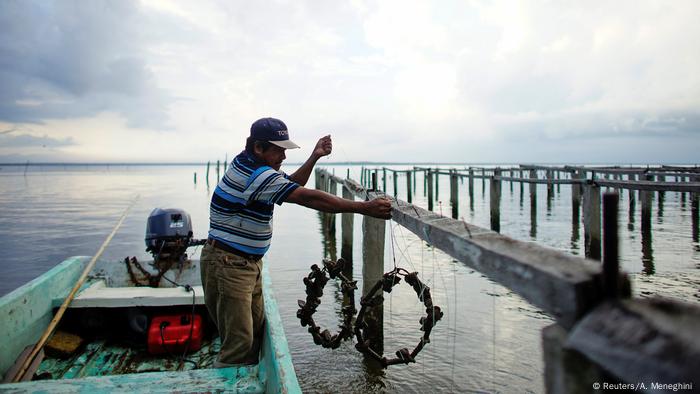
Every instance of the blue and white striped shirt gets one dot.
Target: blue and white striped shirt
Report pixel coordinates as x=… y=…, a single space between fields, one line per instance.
x=243 y=202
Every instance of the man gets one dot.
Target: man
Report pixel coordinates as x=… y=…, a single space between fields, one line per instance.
x=241 y=229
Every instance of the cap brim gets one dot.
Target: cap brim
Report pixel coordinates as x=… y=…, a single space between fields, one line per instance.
x=286 y=144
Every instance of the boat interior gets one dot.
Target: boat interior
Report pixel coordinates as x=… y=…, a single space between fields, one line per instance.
x=111 y=318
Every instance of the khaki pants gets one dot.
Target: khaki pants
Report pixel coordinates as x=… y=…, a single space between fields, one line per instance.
x=233 y=295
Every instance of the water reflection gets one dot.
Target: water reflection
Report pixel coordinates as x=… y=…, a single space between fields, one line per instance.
x=633 y=204
x=694 y=216
x=575 y=225
x=327 y=226
x=647 y=252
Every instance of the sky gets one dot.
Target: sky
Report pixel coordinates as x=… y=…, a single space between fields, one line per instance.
x=390 y=81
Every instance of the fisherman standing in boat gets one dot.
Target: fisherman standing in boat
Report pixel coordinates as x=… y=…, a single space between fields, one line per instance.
x=240 y=232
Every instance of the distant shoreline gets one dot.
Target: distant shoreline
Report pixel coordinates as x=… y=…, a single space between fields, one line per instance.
x=346 y=163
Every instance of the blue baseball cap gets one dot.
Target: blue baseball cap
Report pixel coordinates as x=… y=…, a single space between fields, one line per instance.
x=273 y=131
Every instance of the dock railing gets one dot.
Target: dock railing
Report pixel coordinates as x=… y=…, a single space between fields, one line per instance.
x=600 y=334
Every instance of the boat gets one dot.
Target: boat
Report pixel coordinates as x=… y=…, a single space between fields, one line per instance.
x=112 y=318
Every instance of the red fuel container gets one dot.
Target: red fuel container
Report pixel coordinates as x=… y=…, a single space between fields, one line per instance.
x=171 y=334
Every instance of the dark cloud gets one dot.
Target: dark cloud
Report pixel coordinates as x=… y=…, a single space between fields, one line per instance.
x=26 y=140
x=65 y=59
x=605 y=125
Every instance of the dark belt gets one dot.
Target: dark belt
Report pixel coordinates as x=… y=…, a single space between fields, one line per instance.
x=226 y=248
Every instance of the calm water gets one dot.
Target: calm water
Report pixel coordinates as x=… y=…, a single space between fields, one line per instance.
x=489 y=339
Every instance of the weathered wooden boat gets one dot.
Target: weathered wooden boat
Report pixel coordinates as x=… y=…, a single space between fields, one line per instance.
x=114 y=357
x=112 y=318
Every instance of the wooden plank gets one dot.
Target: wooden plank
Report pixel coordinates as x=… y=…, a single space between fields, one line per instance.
x=562 y=285
x=642 y=340
x=28 y=310
x=99 y=295
x=651 y=185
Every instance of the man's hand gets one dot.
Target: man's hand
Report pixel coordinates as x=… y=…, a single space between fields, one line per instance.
x=379 y=208
x=324 y=146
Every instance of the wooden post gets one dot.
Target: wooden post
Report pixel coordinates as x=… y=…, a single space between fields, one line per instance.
x=495 y=195
x=346 y=224
x=373 y=186
x=207 y=176
x=195 y=178
x=647 y=251
x=510 y=173
x=611 y=264
x=566 y=371
x=694 y=197
x=362 y=177
x=332 y=189
x=591 y=221
x=454 y=195
x=483 y=182
x=396 y=183
x=430 y=190
x=437 y=183
x=662 y=196
x=471 y=189
x=550 y=192
x=384 y=180
x=373 y=234
x=225 y=163
x=533 y=205
x=633 y=201
x=575 y=205
x=522 y=186
x=409 y=188
x=682 y=179
x=217 y=171
x=557 y=176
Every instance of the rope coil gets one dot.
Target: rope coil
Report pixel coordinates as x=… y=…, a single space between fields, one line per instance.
x=315 y=282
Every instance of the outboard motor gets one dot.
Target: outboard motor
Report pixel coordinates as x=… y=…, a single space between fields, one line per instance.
x=169 y=234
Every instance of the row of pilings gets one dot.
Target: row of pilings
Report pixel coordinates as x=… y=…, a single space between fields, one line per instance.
x=601 y=334
x=639 y=183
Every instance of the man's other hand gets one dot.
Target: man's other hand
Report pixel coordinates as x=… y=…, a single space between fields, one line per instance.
x=379 y=208
x=324 y=146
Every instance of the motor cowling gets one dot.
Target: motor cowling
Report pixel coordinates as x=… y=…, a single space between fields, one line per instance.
x=168 y=233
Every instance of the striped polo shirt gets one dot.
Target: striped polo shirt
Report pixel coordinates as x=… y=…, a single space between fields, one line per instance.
x=243 y=202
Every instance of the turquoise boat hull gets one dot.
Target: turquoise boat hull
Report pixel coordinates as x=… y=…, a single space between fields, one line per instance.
x=27 y=311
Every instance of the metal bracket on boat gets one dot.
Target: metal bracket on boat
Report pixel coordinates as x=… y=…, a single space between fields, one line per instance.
x=427 y=322
x=315 y=282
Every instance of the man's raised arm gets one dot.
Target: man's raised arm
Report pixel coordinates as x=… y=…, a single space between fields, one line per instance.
x=323 y=147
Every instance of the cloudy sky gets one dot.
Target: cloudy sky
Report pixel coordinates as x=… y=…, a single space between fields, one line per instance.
x=442 y=81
